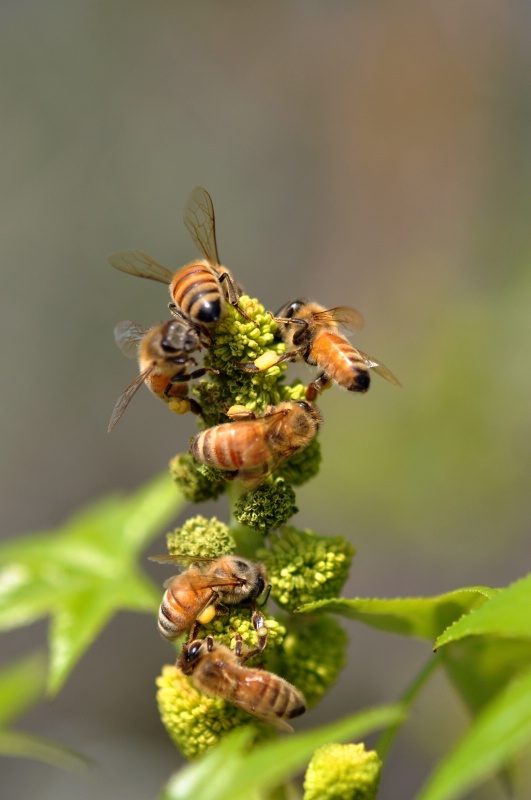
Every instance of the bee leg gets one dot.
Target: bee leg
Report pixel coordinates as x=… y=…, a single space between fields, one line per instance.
x=222 y=609
x=195 y=408
x=238 y=413
x=232 y=294
x=264 y=362
x=238 y=647
x=317 y=386
x=266 y=598
x=290 y=320
x=192 y=634
x=197 y=373
x=262 y=631
x=204 y=335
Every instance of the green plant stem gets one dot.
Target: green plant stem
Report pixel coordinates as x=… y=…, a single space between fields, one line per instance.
x=387 y=738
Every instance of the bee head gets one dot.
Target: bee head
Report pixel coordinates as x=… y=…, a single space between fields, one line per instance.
x=178 y=337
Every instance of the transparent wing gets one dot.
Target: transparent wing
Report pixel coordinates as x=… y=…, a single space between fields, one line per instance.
x=128 y=335
x=126 y=397
x=138 y=263
x=179 y=560
x=344 y=315
x=204 y=581
x=200 y=221
x=254 y=683
x=379 y=368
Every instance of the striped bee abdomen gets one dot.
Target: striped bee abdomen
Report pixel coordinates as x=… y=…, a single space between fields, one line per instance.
x=197 y=292
x=341 y=361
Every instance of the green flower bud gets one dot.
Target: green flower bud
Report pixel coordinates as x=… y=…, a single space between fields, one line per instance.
x=303 y=465
x=224 y=629
x=267 y=507
x=207 y=538
x=237 y=341
x=304 y=567
x=313 y=654
x=193 y=720
x=197 y=482
x=342 y=772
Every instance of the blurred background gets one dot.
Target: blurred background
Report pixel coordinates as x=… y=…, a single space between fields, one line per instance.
x=370 y=154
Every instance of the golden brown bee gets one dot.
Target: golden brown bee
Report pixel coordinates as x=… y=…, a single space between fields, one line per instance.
x=252 y=447
x=312 y=332
x=218 y=671
x=164 y=354
x=193 y=597
x=199 y=289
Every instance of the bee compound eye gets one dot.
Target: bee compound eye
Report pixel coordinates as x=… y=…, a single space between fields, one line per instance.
x=167 y=347
x=288 y=311
x=190 y=341
x=193 y=651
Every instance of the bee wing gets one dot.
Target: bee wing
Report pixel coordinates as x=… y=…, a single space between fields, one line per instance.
x=380 y=368
x=344 y=315
x=138 y=263
x=200 y=221
x=183 y=561
x=126 y=397
x=254 y=686
x=128 y=335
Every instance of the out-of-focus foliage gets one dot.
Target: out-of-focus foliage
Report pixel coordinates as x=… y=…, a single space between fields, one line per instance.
x=22 y=684
x=450 y=453
x=85 y=572
x=485 y=636
x=242 y=775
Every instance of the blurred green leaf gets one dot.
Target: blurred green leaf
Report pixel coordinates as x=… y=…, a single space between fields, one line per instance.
x=423 y=617
x=85 y=572
x=26 y=745
x=508 y=614
x=240 y=774
x=22 y=683
x=499 y=732
x=480 y=667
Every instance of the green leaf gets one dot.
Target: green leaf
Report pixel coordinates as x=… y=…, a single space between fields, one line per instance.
x=501 y=730
x=238 y=774
x=480 y=667
x=85 y=572
x=423 y=617
x=22 y=683
x=26 y=745
x=508 y=614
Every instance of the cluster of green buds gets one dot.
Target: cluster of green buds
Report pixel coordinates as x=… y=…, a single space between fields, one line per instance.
x=243 y=378
x=307 y=651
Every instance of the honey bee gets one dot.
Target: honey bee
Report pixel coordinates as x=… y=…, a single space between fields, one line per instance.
x=252 y=447
x=193 y=597
x=313 y=335
x=164 y=354
x=218 y=671
x=200 y=289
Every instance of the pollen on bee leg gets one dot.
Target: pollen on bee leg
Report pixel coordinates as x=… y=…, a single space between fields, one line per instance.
x=179 y=405
x=239 y=412
x=207 y=615
x=266 y=360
